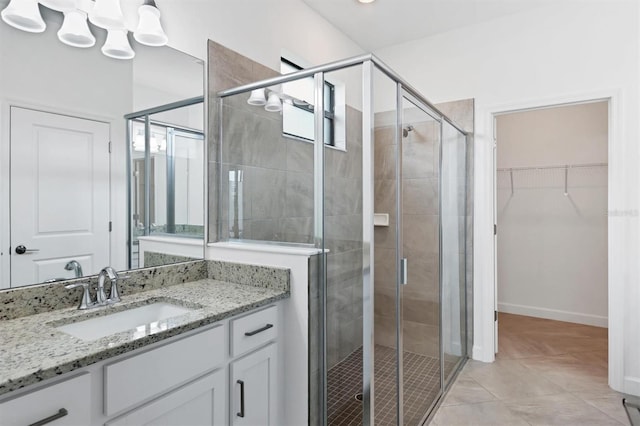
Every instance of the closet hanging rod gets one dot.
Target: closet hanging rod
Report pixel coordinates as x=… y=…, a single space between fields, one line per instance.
x=564 y=166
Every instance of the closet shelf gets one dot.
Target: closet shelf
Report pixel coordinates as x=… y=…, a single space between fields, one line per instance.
x=565 y=167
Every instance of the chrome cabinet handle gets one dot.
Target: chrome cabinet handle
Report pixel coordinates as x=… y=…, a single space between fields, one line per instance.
x=260 y=330
x=241 y=413
x=60 y=414
x=22 y=250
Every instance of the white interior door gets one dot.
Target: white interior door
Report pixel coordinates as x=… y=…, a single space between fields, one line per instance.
x=59 y=195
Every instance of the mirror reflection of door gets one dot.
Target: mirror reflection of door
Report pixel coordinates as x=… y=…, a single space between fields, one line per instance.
x=59 y=195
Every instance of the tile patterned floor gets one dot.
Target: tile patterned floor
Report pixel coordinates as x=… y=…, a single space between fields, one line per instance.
x=546 y=373
x=421 y=384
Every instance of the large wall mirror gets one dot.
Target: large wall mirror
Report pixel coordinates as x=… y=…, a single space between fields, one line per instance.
x=102 y=160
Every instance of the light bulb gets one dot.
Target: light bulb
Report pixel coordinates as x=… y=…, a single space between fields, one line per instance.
x=149 y=31
x=75 y=30
x=24 y=15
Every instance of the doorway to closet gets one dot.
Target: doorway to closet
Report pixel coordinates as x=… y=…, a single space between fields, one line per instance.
x=551 y=216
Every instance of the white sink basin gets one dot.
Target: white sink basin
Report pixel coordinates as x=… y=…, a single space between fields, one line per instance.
x=144 y=320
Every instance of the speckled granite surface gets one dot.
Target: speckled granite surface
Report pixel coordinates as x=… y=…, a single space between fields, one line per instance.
x=32 y=350
x=259 y=276
x=152 y=258
x=36 y=299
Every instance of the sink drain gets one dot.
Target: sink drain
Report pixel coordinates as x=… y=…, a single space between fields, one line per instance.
x=358 y=397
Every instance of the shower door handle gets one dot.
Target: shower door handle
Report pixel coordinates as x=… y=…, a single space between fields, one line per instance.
x=404 y=271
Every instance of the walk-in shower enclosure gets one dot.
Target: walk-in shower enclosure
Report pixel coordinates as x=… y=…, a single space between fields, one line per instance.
x=351 y=160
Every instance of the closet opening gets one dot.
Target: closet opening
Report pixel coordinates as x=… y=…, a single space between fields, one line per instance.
x=551 y=208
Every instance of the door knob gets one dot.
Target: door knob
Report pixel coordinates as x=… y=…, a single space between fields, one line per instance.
x=22 y=250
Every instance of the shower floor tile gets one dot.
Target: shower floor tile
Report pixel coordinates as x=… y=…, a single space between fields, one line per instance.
x=421 y=386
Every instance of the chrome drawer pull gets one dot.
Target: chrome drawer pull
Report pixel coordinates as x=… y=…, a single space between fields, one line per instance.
x=60 y=414
x=260 y=330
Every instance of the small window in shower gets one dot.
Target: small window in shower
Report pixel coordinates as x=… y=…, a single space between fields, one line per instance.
x=297 y=107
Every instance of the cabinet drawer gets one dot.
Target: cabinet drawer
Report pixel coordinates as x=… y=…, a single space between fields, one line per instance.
x=149 y=374
x=72 y=396
x=247 y=333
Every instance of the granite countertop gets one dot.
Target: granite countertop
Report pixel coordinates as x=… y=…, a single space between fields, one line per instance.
x=32 y=350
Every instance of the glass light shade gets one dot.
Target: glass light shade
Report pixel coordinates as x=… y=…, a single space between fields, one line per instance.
x=257 y=97
x=75 y=30
x=273 y=104
x=149 y=31
x=107 y=14
x=138 y=144
x=24 y=15
x=59 y=5
x=117 y=45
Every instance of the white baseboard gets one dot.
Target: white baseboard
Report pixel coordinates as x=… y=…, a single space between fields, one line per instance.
x=554 y=314
x=632 y=385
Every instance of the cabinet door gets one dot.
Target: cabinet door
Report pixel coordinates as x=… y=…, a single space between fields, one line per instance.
x=64 y=403
x=253 y=388
x=201 y=402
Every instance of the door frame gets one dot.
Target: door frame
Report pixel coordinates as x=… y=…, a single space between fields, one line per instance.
x=117 y=207
x=485 y=277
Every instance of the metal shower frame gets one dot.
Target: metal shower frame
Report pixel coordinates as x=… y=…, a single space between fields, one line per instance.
x=369 y=63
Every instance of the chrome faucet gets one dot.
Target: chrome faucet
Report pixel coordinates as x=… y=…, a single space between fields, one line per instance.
x=101 y=298
x=74 y=266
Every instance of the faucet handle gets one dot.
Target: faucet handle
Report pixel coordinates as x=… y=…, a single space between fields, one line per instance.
x=114 y=294
x=85 y=301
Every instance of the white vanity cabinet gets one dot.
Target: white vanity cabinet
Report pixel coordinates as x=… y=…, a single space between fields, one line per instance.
x=199 y=403
x=64 y=403
x=190 y=379
x=254 y=388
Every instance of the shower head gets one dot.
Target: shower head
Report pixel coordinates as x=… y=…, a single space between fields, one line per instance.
x=406 y=130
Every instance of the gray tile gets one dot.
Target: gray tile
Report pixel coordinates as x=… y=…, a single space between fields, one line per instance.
x=299 y=195
x=299 y=156
x=561 y=410
x=506 y=378
x=385 y=197
x=267 y=189
x=492 y=413
x=467 y=391
x=461 y=112
x=421 y=235
x=420 y=196
x=343 y=196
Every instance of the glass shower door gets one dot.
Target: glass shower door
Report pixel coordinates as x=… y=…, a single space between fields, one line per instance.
x=420 y=359
x=453 y=264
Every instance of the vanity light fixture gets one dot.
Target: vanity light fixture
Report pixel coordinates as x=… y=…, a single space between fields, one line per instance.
x=257 y=97
x=149 y=31
x=366 y=1
x=106 y=14
x=117 y=45
x=24 y=15
x=75 y=30
x=273 y=104
x=59 y=5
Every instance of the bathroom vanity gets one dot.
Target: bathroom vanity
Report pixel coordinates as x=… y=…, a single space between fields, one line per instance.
x=216 y=362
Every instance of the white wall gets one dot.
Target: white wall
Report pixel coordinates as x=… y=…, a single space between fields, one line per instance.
x=552 y=248
x=260 y=30
x=568 y=51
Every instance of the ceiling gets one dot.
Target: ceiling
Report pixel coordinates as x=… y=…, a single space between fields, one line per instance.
x=389 y=22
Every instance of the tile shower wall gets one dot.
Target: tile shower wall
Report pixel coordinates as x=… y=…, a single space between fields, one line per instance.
x=421 y=307
x=277 y=202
